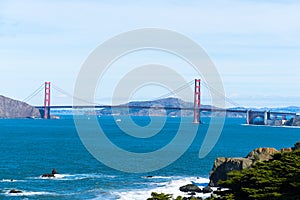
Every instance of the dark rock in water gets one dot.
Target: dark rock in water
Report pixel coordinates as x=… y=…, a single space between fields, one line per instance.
x=149 y=176
x=10 y=108
x=15 y=191
x=54 y=171
x=48 y=176
x=190 y=188
x=207 y=190
x=52 y=175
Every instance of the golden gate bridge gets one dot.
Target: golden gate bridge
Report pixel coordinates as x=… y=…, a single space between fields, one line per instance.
x=251 y=115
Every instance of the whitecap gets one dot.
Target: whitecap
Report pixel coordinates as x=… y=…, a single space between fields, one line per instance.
x=11 y=180
x=71 y=177
x=29 y=193
x=168 y=187
x=157 y=177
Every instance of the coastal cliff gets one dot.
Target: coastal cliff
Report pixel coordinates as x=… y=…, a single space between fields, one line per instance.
x=224 y=165
x=10 y=108
x=272 y=174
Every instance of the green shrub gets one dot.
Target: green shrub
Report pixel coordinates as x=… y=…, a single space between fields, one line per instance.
x=160 y=196
x=274 y=179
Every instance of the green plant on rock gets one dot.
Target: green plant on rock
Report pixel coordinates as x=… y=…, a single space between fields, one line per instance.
x=278 y=178
x=160 y=196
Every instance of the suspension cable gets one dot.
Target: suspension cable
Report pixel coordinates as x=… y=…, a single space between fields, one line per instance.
x=228 y=100
x=34 y=93
x=176 y=91
x=74 y=97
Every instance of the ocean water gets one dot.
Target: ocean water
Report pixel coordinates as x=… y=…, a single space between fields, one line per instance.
x=30 y=148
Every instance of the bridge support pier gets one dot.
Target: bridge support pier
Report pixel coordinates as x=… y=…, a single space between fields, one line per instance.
x=248 y=116
x=197 y=102
x=267 y=116
x=251 y=115
x=47 y=101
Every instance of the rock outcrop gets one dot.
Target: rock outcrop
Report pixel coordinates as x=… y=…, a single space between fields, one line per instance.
x=261 y=154
x=10 y=108
x=224 y=165
x=190 y=188
x=296 y=146
x=15 y=191
x=52 y=175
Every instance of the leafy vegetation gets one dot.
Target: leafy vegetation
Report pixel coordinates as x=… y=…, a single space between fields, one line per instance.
x=278 y=178
x=162 y=196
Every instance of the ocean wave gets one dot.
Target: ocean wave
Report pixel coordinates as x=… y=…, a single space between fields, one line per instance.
x=11 y=180
x=167 y=187
x=72 y=177
x=157 y=177
x=30 y=193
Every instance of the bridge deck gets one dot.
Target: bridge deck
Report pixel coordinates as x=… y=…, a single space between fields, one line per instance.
x=166 y=108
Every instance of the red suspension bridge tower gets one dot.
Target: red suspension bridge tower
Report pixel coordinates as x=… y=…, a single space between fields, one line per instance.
x=47 y=101
x=197 y=101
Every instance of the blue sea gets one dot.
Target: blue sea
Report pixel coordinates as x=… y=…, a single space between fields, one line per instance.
x=30 y=148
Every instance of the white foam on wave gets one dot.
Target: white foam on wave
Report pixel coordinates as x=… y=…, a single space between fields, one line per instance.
x=70 y=177
x=157 y=177
x=30 y=193
x=168 y=187
x=11 y=180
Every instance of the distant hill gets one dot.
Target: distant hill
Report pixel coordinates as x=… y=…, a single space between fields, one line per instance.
x=287 y=109
x=169 y=103
x=10 y=108
x=161 y=103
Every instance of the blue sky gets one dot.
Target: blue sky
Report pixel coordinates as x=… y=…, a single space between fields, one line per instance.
x=255 y=45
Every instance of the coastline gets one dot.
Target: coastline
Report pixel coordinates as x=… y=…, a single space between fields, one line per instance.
x=270 y=126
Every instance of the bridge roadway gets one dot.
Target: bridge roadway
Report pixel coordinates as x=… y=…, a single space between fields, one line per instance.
x=161 y=107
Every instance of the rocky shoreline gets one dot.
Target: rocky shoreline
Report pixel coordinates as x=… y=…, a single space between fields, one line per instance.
x=222 y=166
x=221 y=170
